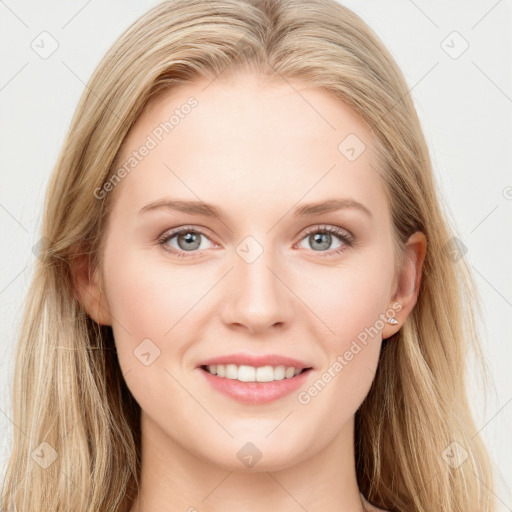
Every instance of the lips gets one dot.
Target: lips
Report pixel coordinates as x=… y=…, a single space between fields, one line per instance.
x=242 y=388
x=256 y=361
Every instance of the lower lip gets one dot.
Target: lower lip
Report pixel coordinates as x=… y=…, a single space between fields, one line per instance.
x=255 y=392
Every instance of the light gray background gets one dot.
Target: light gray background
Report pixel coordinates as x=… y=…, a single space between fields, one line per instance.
x=464 y=102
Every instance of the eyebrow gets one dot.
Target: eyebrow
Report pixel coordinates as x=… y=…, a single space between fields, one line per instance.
x=208 y=210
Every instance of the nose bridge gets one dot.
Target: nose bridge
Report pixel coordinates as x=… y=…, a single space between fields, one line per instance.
x=256 y=297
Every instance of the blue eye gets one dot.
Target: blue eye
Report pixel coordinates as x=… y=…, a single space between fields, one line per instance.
x=189 y=240
x=322 y=237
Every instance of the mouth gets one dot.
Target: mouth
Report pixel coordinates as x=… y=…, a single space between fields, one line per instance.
x=255 y=378
x=247 y=373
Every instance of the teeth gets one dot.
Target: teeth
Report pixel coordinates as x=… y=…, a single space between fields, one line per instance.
x=279 y=372
x=246 y=373
x=231 y=371
x=265 y=374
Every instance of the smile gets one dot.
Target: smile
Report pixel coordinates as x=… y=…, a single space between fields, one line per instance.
x=245 y=373
x=278 y=382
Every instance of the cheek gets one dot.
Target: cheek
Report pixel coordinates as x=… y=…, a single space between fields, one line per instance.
x=140 y=301
x=149 y=300
x=351 y=308
x=352 y=300
x=153 y=310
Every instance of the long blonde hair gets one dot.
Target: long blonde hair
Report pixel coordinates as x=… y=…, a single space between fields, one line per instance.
x=69 y=392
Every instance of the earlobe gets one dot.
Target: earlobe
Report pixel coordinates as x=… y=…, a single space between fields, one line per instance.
x=407 y=288
x=88 y=290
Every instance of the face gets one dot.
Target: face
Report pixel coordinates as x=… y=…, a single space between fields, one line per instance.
x=269 y=281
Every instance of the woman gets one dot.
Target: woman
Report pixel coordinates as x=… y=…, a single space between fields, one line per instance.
x=245 y=297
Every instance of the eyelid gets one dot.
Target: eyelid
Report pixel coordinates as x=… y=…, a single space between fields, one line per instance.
x=184 y=228
x=330 y=228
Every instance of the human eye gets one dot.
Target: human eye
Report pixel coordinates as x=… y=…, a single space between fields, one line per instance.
x=188 y=240
x=322 y=238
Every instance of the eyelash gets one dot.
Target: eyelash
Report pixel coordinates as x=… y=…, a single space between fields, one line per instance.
x=344 y=236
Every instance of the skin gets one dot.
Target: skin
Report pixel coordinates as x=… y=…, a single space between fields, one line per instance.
x=257 y=149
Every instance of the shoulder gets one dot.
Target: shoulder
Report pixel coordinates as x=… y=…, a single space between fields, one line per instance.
x=369 y=507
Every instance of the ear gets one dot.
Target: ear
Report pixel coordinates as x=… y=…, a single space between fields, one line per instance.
x=407 y=284
x=87 y=288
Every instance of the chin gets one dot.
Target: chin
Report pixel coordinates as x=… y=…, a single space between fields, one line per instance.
x=249 y=458
x=269 y=464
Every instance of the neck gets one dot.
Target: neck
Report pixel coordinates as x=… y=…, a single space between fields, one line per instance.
x=173 y=478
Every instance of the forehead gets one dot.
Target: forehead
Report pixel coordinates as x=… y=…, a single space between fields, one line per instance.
x=244 y=137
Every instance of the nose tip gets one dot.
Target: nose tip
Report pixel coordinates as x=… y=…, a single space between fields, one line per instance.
x=255 y=298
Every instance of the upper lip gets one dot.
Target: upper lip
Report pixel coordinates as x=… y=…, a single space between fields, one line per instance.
x=256 y=360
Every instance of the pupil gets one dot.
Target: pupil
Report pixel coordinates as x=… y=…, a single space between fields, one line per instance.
x=323 y=239
x=189 y=238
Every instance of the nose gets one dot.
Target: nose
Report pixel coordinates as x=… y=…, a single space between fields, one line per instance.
x=256 y=297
